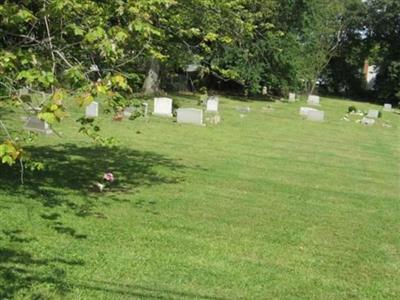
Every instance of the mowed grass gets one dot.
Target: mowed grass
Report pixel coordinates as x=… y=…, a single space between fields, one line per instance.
x=263 y=206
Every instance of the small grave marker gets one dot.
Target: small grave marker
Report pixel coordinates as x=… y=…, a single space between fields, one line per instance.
x=387 y=107
x=36 y=125
x=92 y=110
x=212 y=104
x=373 y=113
x=190 y=116
x=315 y=115
x=304 y=110
x=292 y=97
x=313 y=100
x=163 y=107
x=264 y=90
x=243 y=110
x=367 y=121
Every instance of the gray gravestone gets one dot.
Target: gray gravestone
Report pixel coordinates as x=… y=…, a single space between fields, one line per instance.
x=373 y=113
x=190 y=116
x=315 y=115
x=304 y=111
x=92 y=110
x=313 y=100
x=163 y=107
x=36 y=125
x=292 y=97
x=367 y=121
x=387 y=107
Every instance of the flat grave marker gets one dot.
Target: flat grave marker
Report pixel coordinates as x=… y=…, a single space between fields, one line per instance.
x=36 y=125
x=189 y=116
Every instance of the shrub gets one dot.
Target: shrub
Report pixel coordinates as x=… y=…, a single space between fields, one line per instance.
x=351 y=109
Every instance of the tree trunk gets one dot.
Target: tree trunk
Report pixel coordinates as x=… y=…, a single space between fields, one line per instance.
x=151 y=84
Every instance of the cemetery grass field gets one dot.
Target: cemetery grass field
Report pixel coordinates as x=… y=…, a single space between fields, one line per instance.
x=265 y=206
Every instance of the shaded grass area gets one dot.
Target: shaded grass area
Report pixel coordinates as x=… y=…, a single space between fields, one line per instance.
x=262 y=206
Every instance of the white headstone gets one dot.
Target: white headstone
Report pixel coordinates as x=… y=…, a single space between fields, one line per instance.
x=36 y=125
x=264 y=90
x=315 y=115
x=92 y=110
x=190 y=116
x=367 y=121
x=304 y=110
x=163 y=107
x=387 y=107
x=313 y=100
x=292 y=97
x=212 y=104
x=373 y=113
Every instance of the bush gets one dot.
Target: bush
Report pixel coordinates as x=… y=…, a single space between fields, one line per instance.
x=351 y=109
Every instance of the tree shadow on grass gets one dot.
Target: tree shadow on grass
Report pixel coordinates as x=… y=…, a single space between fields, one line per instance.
x=20 y=270
x=64 y=187
x=113 y=290
x=70 y=169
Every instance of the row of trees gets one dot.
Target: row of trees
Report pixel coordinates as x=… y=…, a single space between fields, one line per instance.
x=86 y=49
x=373 y=34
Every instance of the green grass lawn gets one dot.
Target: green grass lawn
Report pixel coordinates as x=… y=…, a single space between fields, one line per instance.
x=260 y=207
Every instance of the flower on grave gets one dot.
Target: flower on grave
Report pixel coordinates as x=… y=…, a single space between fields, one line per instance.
x=108 y=177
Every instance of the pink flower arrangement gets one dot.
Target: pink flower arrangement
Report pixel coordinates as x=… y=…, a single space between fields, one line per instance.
x=109 y=177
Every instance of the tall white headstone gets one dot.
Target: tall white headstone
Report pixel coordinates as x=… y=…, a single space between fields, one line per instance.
x=387 y=107
x=313 y=100
x=292 y=97
x=36 y=125
x=373 y=113
x=92 y=110
x=212 y=104
x=163 y=107
x=190 y=116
